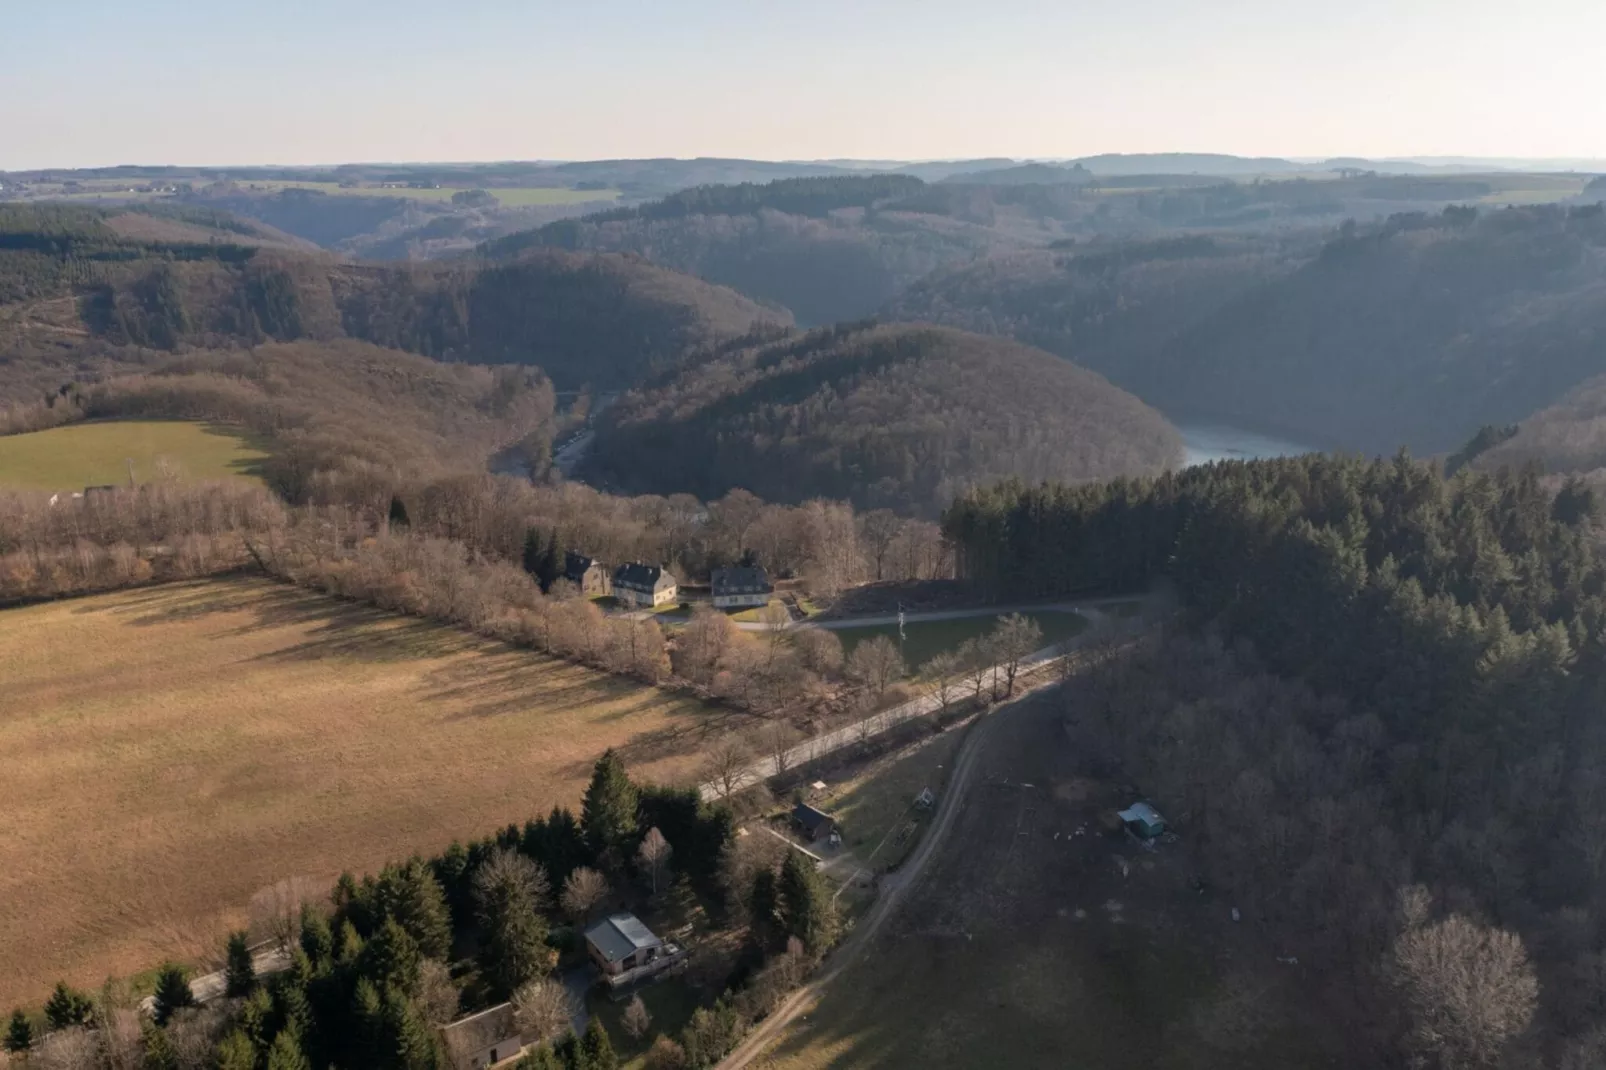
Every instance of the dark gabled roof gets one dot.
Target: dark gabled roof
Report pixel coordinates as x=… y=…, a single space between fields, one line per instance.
x=809 y=817
x=575 y=565
x=619 y=936
x=740 y=581
x=639 y=576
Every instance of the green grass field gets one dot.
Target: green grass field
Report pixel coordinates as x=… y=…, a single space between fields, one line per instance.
x=925 y=639
x=92 y=454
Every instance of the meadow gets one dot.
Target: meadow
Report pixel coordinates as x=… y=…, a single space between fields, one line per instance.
x=94 y=454
x=925 y=639
x=169 y=752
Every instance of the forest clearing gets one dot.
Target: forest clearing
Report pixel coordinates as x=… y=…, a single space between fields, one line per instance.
x=172 y=751
x=83 y=455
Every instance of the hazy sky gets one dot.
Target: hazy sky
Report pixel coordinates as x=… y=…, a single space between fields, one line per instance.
x=93 y=82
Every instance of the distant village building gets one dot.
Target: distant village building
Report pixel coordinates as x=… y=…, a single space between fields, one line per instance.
x=814 y=824
x=483 y=1039
x=643 y=585
x=589 y=575
x=734 y=588
x=626 y=951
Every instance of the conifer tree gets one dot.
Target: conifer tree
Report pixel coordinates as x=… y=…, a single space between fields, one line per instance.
x=391 y=958
x=256 y=1019
x=239 y=972
x=398 y=514
x=412 y=895
x=159 y=1051
x=19 y=1035
x=806 y=909
x=172 y=993
x=542 y=1058
x=68 y=1007
x=367 y=1012
x=534 y=554
x=317 y=941
x=763 y=907
x=235 y=1052
x=408 y=1043
x=598 y=1048
x=286 y=1053
x=608 y=816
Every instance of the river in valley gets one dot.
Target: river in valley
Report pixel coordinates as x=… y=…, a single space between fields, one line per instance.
x=1203 y=443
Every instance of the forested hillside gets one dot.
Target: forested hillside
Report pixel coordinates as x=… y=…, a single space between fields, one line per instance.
x=1415 y=331
x=67 y=278
x=888 y=417
x=341 y=420
x=817 y=246
x=1452 y=633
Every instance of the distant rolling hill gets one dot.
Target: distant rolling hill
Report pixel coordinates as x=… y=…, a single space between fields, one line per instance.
x=898 y=417
x=70 y=278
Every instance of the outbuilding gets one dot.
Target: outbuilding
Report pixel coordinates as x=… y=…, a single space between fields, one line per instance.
x=1143 y=821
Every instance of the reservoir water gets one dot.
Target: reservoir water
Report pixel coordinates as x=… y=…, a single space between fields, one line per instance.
x=1204 y=443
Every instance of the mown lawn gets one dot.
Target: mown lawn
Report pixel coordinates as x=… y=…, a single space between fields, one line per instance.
x=925 y=639
x=167 y=753
x=92 y=454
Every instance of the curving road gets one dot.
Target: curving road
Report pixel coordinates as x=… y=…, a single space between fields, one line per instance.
x=893 y=889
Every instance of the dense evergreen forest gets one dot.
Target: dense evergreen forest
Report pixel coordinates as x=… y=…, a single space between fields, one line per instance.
x=888 y=417
x=583 y=318
x=1452 y=633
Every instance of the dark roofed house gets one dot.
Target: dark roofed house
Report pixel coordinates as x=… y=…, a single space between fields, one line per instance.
x=627 y=951
x=588 y=574
x=813 y=823
x=737 y=587
x=647 y=586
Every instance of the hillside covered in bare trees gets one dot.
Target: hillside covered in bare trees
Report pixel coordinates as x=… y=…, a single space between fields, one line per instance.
x=888 y=417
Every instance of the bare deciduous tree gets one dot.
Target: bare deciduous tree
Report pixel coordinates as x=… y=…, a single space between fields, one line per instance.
x=819 y=649
x=1014 y=638
x=438 y=995
x=778 y=738
x=543 y=1010
x=876 y=663
x=725 y=765
x=275 y=911
x=940 y=679
x=636 y=1019
x=654 y=855
x=1470 y=990
x=583 y=889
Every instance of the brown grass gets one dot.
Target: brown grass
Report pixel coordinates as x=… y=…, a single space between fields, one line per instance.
x=167 y=753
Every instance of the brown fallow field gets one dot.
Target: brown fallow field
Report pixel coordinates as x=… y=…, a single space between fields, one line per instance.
x=167 y=753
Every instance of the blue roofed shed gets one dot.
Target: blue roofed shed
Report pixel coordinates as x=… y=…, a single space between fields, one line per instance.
x=1144 y=820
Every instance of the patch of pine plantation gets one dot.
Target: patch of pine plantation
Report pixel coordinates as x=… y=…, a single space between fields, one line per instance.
x=170 y=752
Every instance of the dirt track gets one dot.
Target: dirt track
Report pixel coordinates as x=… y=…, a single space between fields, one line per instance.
x=893 y=891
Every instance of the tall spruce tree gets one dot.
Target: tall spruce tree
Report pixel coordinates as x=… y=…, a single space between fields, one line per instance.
x=172 y=993
x=19 y=1034
x=239 y=972
x=160 y=1054
x=317 y=941
x=235 y=1052
x=398 y=514
x=598 y=1047
x=409 y=1043
x=608 y=816
x=286 y=1053
x=533 y=554
x=411 y=894
x=68 y=1007
x=763 y=907
x=806 y=910
x=391 y=959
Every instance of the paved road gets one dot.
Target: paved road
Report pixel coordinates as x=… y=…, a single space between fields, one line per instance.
x=893 y=889
x=819 y=746
x=210 y=986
